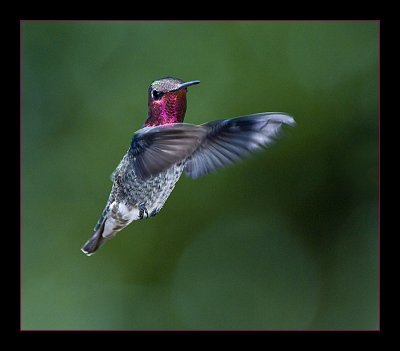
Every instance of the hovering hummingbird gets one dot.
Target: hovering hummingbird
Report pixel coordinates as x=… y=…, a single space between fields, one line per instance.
x=165 y=147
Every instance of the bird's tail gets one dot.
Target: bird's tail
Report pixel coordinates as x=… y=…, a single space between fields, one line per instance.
x=97 y=239
x=94 y=243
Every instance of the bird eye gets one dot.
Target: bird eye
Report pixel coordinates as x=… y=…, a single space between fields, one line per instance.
x=156 y=94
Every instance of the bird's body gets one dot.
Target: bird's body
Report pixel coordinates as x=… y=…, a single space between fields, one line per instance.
x=166 y=147
x=131 y=199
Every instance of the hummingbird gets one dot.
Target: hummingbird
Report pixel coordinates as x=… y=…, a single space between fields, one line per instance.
x=165 y=147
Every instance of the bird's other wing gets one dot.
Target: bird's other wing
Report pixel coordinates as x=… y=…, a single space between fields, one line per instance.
x=229 y=140
x=155 y=149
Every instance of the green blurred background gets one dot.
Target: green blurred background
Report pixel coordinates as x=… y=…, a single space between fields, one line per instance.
x=287 y=239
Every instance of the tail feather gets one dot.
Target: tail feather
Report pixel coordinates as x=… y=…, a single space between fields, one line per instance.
x=98 y=238
x=96 y=241
x=106 y=228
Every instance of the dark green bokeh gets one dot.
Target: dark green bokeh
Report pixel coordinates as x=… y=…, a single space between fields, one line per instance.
x=287 y=239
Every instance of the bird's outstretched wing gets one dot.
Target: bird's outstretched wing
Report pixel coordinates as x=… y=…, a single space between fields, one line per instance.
x=155 y=149
x=229 y=140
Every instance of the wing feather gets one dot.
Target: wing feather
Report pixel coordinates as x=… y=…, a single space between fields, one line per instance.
x=229 y=140
x=154 y=149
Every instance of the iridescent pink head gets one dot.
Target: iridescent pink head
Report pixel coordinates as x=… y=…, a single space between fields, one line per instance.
x=167 y=101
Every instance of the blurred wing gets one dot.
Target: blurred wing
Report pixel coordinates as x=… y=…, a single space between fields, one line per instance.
x=230 y=140
x=154 y=149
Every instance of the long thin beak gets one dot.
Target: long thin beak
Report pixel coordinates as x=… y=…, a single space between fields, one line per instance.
x=186 y=84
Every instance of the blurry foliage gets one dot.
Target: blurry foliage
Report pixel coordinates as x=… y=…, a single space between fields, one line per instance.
x=284 y=240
